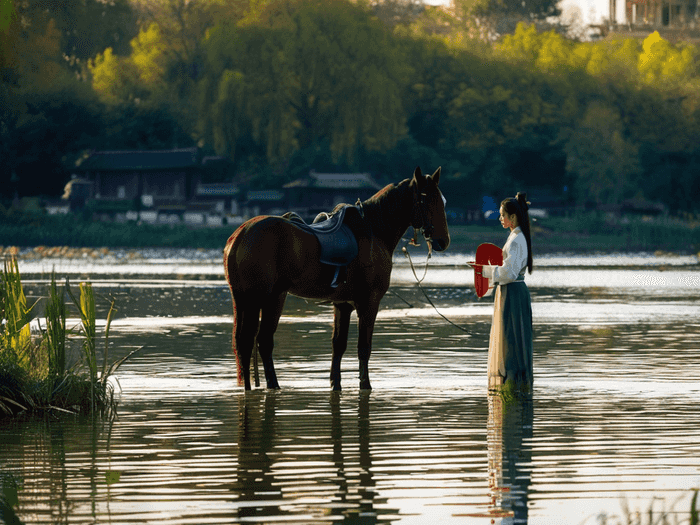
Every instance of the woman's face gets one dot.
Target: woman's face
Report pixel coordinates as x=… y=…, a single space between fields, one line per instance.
x=508 y=221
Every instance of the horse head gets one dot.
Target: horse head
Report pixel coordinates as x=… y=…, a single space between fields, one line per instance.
x=429 y=209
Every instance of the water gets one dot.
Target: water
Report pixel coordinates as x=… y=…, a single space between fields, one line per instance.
x=612 y=427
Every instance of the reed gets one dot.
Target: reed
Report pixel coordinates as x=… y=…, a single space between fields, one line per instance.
x=56 y=330
x=653 y=516
x=33 y=373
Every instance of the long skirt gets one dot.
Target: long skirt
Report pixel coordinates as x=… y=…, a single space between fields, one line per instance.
x=510 y=344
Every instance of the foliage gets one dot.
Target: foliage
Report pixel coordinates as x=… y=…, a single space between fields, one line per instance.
x=295 y=73
x=15 y=334
x=34 y=373
x=502 y=16
x=283 y=86
x=600 y=159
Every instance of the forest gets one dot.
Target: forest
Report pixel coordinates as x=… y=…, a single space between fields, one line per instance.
x=283 y=86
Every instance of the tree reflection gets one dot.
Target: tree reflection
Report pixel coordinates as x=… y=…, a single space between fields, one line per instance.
x=509 y=432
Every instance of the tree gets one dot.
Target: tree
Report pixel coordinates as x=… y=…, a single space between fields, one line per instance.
x=298 y=73
x=600 y=158
x=500 y=17
x=660 y=61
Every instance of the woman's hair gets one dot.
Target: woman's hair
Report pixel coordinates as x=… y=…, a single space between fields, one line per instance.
x=519 y=207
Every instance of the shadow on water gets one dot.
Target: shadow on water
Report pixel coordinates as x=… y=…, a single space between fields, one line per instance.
x=279 y=482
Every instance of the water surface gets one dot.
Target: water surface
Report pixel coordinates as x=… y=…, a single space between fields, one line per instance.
x=612 y=426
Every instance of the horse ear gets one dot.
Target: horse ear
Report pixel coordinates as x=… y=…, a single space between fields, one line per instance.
x=418 y=177
x=436 y=175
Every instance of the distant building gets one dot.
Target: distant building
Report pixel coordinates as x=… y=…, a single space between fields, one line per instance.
x=156 y=186
x=166 y=187
x=323 y=191
x=675 y=20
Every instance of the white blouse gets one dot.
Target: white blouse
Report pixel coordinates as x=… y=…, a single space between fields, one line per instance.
x=514 y=260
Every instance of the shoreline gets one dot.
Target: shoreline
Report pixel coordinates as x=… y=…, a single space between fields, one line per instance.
x=578 y=235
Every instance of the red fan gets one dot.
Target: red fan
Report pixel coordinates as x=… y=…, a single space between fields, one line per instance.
x=486 y=253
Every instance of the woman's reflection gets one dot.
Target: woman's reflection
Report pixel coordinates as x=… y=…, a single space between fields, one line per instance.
x=509 y=432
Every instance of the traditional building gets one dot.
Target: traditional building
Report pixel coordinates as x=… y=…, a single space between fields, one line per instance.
x=319 y=192
x=155 y=186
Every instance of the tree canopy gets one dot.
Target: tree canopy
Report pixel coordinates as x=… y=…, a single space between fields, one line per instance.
x=283 y=86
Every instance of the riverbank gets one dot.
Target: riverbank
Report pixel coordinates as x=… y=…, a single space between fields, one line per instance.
x=585 y=233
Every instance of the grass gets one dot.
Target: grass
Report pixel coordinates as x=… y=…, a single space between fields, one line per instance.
x=34 y=371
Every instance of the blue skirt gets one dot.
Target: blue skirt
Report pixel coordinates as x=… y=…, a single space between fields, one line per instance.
x=510 y=343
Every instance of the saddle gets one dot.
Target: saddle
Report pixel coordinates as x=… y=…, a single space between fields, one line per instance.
x=339 y=246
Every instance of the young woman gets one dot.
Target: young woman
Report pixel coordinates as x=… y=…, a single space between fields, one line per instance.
x=510 y=344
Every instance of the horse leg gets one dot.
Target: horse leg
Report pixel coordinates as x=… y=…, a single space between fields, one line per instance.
x=341 y=327
x=366 y=317
x=245 y=329
x=271 y=313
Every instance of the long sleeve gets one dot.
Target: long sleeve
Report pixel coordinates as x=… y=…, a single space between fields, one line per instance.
x=514 y=260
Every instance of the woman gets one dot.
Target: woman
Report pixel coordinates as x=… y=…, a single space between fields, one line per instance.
x=510 y=344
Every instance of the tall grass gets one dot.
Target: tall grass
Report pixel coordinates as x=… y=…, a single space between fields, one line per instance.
x=56 y=313
x=34 y=373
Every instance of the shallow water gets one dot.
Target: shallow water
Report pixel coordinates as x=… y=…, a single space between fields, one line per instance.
x=612 y=427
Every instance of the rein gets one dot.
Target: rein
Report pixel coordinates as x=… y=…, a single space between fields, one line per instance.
x=414 y=242
x=419 y=281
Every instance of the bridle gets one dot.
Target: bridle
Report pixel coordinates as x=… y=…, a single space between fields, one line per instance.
x=426 y=227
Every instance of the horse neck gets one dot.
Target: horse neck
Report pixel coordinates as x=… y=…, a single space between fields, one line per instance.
x=390 y=213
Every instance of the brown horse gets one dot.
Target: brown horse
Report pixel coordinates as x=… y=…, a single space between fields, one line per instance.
x=268 y=257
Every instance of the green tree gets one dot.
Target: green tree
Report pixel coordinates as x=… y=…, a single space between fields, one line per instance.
x=299 y=73
x=662 y=62
x=500 y=17
x=600 y=158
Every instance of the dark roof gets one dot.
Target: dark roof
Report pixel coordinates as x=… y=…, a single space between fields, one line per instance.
x=265 y=195
x=217 y=189
x=141 y=160
x=335 y=181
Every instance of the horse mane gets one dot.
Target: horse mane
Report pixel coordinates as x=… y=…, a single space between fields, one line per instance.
x=386 y=211
x=387 y=196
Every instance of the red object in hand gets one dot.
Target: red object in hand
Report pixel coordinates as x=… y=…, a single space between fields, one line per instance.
x=486 y=253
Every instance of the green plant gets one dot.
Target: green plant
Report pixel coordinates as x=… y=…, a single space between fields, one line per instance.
x=34 y=374
x=100 y=388
x=16 y=335
x=55 y=334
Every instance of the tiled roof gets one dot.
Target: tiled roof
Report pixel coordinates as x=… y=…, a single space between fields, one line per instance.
x=336 y=181
x=141 y=160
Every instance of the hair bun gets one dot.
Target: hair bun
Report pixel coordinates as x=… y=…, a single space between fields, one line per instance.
x=522 y=200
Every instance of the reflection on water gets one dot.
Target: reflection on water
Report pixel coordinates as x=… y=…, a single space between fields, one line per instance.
x=612 y=420
x=510 y=456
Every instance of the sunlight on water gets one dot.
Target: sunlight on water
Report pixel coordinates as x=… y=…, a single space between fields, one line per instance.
x=611 y=429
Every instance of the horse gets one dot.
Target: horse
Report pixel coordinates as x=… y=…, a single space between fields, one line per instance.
x=268 y=257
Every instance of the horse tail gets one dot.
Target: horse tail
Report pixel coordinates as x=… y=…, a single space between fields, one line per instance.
x=229 y=252
x=236 y=324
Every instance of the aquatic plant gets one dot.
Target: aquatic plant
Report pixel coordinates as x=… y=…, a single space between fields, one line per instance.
x=33 y=373
x=652 y=516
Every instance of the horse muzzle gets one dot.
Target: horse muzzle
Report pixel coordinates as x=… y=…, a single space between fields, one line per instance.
x=439 y=245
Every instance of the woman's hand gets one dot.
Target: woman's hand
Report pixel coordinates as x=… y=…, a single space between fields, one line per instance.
x=478 y=268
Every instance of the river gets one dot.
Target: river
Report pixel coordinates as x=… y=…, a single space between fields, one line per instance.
x=611 y=430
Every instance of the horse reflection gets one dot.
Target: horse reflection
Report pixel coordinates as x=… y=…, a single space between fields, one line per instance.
x=280 y=457
x=509 y=432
